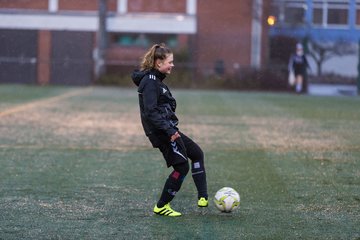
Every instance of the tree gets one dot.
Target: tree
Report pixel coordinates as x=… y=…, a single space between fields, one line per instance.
x=322 y=51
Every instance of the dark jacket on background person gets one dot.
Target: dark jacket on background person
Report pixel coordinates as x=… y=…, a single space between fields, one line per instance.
x=157 y=106
x=298 y=64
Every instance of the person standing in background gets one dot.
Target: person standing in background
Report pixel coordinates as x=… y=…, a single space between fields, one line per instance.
x=298 y=65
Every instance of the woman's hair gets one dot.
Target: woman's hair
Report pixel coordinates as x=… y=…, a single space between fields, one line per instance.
x=157 y=51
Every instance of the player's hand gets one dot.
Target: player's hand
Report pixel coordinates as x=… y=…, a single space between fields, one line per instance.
x=175 y=136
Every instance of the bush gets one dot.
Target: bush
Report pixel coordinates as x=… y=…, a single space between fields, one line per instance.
x=116 y=76
x=268 y=79
x=333 y=79
x=115 y=80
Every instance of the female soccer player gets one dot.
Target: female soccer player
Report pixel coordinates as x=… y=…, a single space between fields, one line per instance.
x=157 y=110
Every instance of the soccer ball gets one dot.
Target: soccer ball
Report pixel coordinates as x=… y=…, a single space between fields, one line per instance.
x=227 y=199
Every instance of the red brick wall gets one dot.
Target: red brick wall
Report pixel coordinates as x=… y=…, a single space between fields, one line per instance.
x=178 y=6
x=87 y=5
x=44 y=55
x=224 y=33
x=24 y=4
x=168 y=6
x=124 y=55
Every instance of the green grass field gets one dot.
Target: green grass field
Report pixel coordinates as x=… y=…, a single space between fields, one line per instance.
x=74 y=164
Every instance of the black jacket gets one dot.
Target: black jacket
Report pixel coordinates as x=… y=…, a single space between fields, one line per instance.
x=298 y=64
x=157 y=106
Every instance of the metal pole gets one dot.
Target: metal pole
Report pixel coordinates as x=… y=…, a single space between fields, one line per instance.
x=101 y=40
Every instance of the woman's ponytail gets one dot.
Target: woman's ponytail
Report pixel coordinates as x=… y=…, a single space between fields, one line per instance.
x=157 y=51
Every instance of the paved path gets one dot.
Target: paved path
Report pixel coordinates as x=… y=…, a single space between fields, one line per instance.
x=332 y=90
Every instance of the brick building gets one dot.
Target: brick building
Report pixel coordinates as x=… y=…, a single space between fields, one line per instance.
x=54 y=41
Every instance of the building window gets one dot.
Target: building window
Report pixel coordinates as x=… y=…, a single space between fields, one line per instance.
x=289 y=12
x=318 y=15
x=338 y=13
x=144 y=40
x=294 y=12
x=334 y=12
x=358 y=12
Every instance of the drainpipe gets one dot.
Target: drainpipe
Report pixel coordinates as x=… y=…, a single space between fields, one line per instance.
x=101 y=40
x=256 y=30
